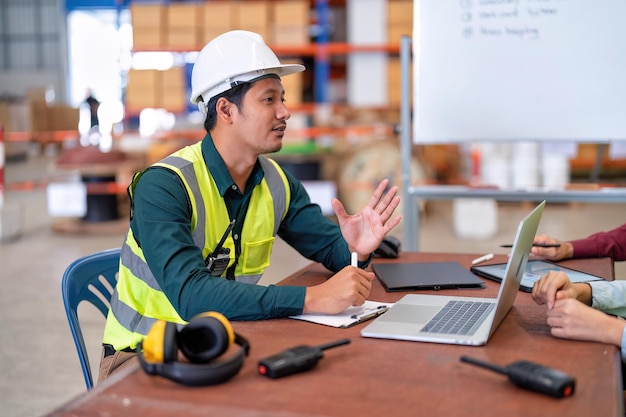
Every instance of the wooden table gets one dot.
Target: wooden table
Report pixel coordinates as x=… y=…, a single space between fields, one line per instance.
x=372 y=377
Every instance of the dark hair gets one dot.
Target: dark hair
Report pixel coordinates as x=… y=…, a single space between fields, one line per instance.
x=234 y=95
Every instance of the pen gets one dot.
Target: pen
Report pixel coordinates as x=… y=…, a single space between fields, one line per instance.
x=539 y=245
x=483 y=258
x=379 y=310
x=354 y=261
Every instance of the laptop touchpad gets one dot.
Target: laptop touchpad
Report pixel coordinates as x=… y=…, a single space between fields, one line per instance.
x=411 y=313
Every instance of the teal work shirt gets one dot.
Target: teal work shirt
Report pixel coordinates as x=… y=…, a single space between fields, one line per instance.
x=161 y=224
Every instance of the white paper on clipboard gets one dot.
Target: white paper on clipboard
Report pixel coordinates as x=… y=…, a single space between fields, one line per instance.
x=349 y=317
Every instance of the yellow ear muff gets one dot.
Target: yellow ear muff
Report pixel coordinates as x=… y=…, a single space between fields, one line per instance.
x=159 y=345
x=227 y=326
x=202 y=340
x=205 y=337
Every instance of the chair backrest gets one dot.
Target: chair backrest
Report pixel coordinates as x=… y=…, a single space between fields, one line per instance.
x=91 y=278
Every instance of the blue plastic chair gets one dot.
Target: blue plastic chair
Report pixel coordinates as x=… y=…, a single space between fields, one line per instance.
x=91 y=278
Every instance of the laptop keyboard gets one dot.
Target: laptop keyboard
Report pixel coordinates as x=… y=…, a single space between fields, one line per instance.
x=459 y=317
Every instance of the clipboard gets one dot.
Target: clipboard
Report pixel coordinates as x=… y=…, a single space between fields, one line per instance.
x=349 y=317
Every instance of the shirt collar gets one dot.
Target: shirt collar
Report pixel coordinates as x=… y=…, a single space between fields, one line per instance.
x=219 y=172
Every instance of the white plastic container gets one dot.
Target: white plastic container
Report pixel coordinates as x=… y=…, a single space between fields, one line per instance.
x=475 y=218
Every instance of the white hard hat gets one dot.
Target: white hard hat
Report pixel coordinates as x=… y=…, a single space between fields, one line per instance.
x=234 y=56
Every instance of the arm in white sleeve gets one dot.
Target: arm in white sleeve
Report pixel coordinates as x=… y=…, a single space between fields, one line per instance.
x=609 y=296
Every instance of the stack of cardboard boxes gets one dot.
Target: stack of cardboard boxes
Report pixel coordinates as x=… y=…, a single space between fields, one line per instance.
x=188 y=26
x=182 y=22
x=399 y=23
x=290 y=23
x=32 y=118
x=14 y=117
x=165 y=89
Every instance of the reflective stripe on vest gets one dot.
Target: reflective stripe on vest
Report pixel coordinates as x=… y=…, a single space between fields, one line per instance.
x=125 y=325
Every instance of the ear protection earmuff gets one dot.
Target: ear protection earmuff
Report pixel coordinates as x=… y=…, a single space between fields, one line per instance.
x=202 y=340
x=202 y=107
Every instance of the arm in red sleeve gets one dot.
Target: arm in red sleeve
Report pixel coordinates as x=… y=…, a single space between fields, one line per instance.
x=611 y=243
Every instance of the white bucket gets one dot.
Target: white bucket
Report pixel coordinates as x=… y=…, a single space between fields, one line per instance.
x=525 y=166
x=555 y=171
x=475 y=218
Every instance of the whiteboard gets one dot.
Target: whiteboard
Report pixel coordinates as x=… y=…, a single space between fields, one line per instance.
x=519 y=70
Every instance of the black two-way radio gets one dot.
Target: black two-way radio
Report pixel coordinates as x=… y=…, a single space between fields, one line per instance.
x=532 y=376
x=218 y=260
x=296 y=359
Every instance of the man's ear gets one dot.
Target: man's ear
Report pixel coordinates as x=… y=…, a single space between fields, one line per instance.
x=224 y=108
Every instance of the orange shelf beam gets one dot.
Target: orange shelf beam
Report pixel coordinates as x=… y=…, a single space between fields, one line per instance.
x=315 y=131
x=311 y=49
x=51 y=136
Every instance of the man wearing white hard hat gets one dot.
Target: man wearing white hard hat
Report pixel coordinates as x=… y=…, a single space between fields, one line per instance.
x=203 y=220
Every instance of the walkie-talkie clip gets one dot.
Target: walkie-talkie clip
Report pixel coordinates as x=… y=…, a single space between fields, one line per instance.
x=218 y=260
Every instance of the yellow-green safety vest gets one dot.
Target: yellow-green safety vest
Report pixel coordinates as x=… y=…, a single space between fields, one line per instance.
x=138 y=300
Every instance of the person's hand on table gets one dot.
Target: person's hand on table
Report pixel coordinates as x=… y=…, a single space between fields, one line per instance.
x=349 y=287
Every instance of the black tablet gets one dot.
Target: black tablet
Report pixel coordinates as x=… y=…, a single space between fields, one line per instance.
x=535 y=269
x=411 y=276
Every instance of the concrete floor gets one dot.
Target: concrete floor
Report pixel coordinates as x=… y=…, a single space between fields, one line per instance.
x=38 y=361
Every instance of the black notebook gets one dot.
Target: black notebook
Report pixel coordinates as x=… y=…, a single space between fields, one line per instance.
x=410 y=276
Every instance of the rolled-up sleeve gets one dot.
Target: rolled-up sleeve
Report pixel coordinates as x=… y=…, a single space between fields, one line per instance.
x=609 y=296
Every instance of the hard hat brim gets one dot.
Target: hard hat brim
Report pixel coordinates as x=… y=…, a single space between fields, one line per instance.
x=227 y=84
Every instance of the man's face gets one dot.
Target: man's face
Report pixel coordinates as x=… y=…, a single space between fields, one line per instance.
x=262 y=118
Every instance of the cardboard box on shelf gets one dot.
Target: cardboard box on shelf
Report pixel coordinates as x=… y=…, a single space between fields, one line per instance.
x=173 y=100
x=37 y=94
x=293 y=85
x=255 y=17
x=399 y=20
x=396 y=32
x=150 y=37
x=183 y=15
x=173 y=90
x=62 y=117
x=182 y=38
x=289 y=34
x=172 y=78
x=295 y=12
x=148 y=22
x=5 y=116
x=139 y=99
x=400 y=11
x=216 y=17
x=254 y=13
x=143 y=79
x=156 y=89
x=147 y=14
x=20 y=116
x=38 y=113
x=218 y=13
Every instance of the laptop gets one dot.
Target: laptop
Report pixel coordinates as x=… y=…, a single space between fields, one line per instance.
x=430 y=318
x=408 y=276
